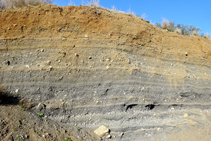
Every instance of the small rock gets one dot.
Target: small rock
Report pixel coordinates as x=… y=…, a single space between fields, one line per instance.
x=97 y=102
x=17 y=90
x=48 y=62
x=26 y=136
x=108 y=59
x=50 y=68
x=42 y=50
x=90 y=57
x=101 y=131
x=76 y=54
x=40 y=106
x=185 y=115
x=14 y=24
x=109 y=136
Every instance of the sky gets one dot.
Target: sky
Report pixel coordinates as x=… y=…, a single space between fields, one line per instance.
x=192 y=12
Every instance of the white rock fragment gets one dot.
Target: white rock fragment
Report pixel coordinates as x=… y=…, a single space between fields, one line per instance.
x=17 y=90
x=40 y=106
x=108 y=59
x=48 y=62
x=97 y=102
x=185 y=115
x=50 y=68
x=101 y=131
x=61 y=77
x=109 y=136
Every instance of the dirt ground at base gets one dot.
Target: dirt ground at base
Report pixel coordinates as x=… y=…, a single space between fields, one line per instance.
x=21 y=125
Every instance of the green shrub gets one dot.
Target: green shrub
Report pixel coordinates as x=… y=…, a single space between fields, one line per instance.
x=68 y=139
x=179 y=28
x=40 y=114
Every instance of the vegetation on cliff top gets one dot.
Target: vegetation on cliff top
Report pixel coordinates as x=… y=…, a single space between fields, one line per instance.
x=8 y=4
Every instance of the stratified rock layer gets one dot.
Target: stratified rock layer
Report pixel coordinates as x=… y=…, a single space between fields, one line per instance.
x=92 y=66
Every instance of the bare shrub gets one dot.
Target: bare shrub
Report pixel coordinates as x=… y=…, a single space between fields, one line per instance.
x=165 y=23
x=194 y=33
x=8 y=4
x=178 y=30
x=207 y=35
x=94 y=3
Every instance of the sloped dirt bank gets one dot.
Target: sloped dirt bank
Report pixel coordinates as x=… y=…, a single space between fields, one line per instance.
x=88 y=66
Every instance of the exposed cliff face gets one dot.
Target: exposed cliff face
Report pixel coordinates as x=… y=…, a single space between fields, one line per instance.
x=92 y=66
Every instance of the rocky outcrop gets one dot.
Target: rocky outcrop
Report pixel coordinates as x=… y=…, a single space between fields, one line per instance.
x=91 y=66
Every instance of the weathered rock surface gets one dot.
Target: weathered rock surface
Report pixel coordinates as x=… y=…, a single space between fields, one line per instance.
x=92 y=66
